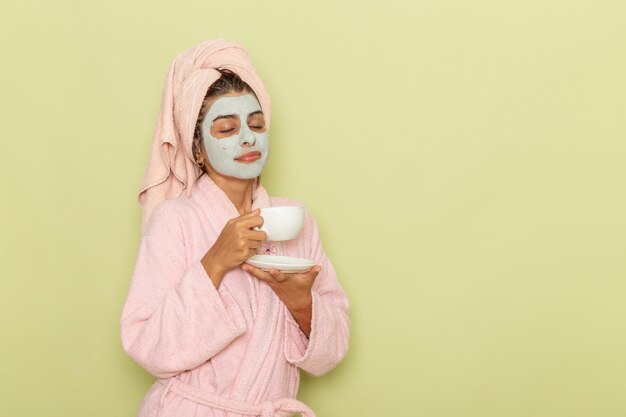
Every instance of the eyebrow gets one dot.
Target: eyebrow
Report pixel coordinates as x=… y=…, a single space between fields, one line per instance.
x=234 y=116
x=255 y=113
x=227 y=116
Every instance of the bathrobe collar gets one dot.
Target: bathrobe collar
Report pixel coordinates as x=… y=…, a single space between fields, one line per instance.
x=216 y=204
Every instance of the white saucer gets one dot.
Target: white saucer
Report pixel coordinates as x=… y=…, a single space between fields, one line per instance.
x=285 y=264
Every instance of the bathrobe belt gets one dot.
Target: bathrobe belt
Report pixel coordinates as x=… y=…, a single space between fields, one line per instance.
x=264 y=409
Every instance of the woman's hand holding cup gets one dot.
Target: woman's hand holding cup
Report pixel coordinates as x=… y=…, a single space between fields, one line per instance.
x=236 y=243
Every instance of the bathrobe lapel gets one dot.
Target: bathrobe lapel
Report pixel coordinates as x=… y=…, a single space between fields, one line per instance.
x=266 y=306
x=219 y=208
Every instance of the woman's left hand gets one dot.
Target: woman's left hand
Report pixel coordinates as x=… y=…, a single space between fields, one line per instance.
x=293 y=289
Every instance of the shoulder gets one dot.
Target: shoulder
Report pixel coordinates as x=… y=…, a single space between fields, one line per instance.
x=169 y=216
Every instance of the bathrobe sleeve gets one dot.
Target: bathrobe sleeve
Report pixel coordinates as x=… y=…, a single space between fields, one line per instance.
x=330 y=324
x=174 y=318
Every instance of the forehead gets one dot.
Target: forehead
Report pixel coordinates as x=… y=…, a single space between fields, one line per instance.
x=237 y=105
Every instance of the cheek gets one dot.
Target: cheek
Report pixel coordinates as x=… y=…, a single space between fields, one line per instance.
x=222 y=148
x=262 y=139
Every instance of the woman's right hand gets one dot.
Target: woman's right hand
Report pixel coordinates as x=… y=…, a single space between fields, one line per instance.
x=236 y=243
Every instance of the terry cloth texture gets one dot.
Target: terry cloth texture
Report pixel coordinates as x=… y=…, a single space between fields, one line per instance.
x=231 y=351
x=171 y=170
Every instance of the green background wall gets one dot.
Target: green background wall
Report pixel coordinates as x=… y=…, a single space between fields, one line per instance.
x=465 y=162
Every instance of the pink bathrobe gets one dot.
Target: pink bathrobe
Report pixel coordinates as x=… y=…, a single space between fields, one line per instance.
x=232 y=351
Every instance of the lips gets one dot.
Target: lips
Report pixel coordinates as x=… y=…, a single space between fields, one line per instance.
x=249 y=157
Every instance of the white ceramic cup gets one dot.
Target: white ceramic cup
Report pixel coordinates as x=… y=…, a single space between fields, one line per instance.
x=282 y=223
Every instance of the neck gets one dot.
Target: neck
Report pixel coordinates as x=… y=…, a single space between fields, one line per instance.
x=239 y=191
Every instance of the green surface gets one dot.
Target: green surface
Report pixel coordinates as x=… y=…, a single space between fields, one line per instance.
x=465 y=162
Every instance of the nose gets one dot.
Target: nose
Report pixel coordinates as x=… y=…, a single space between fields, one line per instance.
x=246 y=138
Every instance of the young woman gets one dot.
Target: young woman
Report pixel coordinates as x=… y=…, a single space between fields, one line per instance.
x=223 y=338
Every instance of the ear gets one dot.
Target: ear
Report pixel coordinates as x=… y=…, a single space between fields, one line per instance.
x=199 y=149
